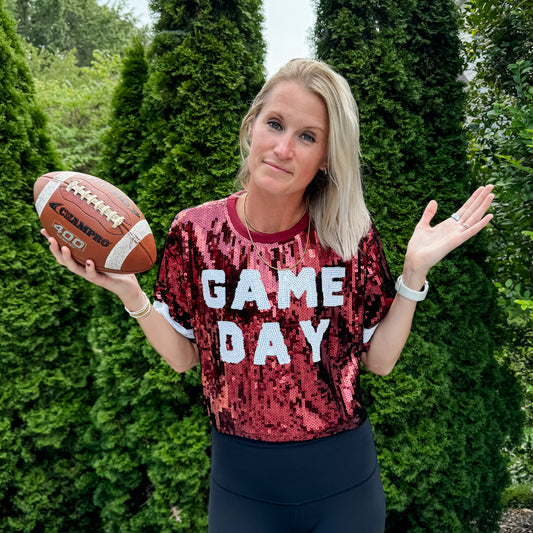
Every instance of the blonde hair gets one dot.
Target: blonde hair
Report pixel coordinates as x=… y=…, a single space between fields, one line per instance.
x=335 y=197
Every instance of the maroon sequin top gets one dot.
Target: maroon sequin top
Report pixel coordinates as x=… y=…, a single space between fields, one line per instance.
x=279 y=351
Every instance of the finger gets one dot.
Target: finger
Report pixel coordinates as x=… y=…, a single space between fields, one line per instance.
x=68 y=261
x=62 y=255
x=468 y=204
x=56 y=250
x=107 y=280
x=470 y=230
x=478 y=226
x=483 y=199
x=429 y=213
x=476 y=199
x=477 y=210
x=91 y=274
x=86 y=270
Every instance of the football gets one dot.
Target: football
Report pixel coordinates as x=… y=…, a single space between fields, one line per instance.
x=96 y=220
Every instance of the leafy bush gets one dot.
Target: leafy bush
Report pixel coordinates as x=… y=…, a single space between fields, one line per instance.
x=518 y=497
x=501 y=152
x=77 y=102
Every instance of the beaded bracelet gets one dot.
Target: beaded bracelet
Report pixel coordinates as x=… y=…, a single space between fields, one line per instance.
x=143 y=312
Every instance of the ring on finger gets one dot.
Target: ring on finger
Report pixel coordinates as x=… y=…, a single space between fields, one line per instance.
x=456 y=217
x=465 y=225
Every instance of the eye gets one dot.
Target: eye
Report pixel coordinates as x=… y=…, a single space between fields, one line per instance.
x=308 y=137
x=274 y=124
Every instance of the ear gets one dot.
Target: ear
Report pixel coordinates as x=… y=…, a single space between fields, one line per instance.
x=251 y=128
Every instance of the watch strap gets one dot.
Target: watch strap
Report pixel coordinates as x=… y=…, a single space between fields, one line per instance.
x=410 y=294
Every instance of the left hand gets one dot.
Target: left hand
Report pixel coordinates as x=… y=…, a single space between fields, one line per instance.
x=428 y=245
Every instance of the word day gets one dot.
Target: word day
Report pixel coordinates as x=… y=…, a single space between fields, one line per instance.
x=250 y=288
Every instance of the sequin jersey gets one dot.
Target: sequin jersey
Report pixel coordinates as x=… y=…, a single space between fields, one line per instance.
x=279 y=350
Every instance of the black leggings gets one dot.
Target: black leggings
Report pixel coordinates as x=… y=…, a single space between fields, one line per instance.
x=328 y=485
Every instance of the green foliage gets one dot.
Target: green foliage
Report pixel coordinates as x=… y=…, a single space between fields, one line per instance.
x=149 y=430
x=518 y=497
x=80 y=26
x=74 y=49
x=501 y=34
x=121 y=154
x=206 y=66
x=501 y=152
x=45 y=482
x=442 y=417
x=501 y=130
x=77 y=102
x=172 y=142
x=521 y=467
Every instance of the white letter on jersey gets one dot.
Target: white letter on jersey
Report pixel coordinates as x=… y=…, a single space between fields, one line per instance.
x=271 y=342
x=219 y=299
x=249 y=289
x=236 y=341
x=329 y=286
x=288 y=282
x=314 y=337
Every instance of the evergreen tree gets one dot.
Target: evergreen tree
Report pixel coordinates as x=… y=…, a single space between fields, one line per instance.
x=204 y=67
x=45 y=369
x=120 y=161
x=442 y=417
x=80 y=25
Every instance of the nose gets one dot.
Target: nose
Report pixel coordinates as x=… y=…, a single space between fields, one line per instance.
x=284 y=148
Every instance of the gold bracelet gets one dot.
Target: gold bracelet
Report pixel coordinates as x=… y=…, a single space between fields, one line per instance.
x=143 y=312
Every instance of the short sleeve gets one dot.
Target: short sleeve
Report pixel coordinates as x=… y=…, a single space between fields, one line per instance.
x=379 y=288
x=172 y=288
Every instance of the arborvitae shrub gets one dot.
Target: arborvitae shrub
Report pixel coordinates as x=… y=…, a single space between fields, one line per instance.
x=120 y=161
x=443 y=415
x=45 y=366
x=204 y=67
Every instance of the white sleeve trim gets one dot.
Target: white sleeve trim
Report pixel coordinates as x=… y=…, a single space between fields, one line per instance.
x=163 y=310
x=367 y=333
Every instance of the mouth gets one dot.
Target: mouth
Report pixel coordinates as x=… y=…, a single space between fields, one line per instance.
x=276 y=167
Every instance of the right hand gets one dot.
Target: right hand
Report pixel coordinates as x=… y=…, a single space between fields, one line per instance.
x=178 y=351
x=125 y=286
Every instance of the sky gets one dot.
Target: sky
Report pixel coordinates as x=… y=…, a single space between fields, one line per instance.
x=286 y=30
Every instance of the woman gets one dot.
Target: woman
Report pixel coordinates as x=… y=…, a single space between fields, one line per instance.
x=280 y=291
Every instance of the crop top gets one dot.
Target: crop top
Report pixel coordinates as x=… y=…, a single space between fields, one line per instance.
x=279 y=350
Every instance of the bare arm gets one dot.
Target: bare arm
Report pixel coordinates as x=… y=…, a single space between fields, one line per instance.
x=178 y=351
x=428 y=245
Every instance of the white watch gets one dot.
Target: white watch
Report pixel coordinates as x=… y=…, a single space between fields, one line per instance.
x=410 y=294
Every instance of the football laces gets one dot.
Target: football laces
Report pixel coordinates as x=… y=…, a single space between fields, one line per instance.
x=98 y=205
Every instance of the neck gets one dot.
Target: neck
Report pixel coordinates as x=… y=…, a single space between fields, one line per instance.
x=264 y=217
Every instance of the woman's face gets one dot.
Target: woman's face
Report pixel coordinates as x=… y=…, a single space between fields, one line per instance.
x=288 y=141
